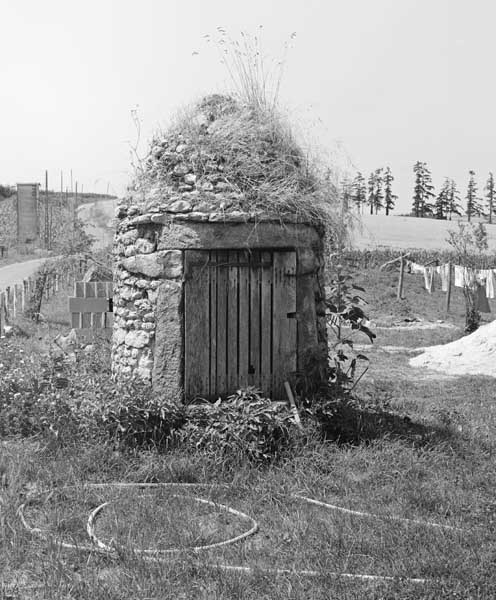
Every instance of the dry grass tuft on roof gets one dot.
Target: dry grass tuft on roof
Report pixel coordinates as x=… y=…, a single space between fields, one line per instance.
x=224 y=146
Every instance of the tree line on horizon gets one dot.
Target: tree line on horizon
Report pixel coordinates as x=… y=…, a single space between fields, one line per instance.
x=376 y=192
x=375 y=195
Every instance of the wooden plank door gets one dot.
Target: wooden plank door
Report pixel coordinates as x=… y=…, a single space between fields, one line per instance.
x=239 y=321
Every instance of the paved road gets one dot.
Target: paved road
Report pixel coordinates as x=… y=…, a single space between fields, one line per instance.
x=98 y=219
x=12 y=274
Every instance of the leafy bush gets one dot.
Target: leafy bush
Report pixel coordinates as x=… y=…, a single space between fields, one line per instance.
x=73 y=401
x=246 y=424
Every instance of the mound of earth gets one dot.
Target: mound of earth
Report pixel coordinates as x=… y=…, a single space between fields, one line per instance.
x=474 y=354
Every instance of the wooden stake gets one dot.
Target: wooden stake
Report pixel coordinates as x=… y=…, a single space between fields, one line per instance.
x=23 y=295
x=400 y=281
x=292 y=404
x=448 y=291
x=2 y=314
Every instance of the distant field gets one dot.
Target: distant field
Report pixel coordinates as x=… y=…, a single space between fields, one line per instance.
x=407 y=232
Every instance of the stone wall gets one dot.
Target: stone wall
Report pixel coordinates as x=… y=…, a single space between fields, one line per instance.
x=149 y=251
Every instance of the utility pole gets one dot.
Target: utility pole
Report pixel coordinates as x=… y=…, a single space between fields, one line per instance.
x=47 y=220
x=75 y=209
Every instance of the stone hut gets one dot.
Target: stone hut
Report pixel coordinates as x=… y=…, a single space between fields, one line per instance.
x=215 y=289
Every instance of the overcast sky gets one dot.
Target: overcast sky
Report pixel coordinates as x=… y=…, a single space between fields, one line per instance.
x=393 y=81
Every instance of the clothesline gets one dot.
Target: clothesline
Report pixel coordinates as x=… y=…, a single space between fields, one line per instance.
x=482 y=280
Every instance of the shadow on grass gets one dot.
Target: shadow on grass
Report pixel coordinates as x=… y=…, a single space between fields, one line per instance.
x=347 y=422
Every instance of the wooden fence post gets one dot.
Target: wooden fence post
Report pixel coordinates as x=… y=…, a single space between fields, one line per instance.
x=23 y=296
x=5 y=306
x=448 y=291
x=2 y=314
x=14 y=301
x=400 y=281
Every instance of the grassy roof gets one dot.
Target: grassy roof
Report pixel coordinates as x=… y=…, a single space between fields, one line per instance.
x=233 y=147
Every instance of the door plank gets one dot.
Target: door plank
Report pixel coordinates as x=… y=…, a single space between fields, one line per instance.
x=254 y=341
x=222 y=291
x=213 y=392
x=244 y=319
x=232 y=324
x=284 y=321
x=266 y=324
x=196 y=325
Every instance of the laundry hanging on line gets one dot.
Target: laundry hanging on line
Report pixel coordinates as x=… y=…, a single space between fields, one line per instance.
x=463 y=277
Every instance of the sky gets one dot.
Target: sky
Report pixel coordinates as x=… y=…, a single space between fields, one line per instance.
x=388 y=82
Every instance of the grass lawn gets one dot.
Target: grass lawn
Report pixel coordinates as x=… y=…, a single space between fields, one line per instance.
x=427 y=452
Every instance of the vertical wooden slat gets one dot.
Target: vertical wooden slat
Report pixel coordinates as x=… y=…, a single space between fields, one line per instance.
x=14 y=301
x=213 y=324
x=266 y=325
x=109 y=320
x=109 y=316
x=254 y=341
x=100 y=292
x=221 y=344
x=6 y=305
x=284 y=321
x=232 y=324
x=77 y=318
x=89 y=292
x=23 y=295
x=196 y=325
x=244 y=320
x=2 y=314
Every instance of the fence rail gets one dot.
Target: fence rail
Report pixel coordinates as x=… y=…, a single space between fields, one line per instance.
x=14 y=299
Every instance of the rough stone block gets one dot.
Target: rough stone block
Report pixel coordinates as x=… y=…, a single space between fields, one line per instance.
x=145 y=264
x=190 y=178
x=144 y=246
x=129 y=237
x=172 y=261
x=180 y=206
x=137 y=339
x=118 y=336
x=167 y=375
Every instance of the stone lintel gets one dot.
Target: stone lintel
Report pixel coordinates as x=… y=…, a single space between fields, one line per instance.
x=212 y=236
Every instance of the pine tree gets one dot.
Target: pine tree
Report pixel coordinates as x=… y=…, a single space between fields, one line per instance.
x=378 y=193
x=389 y=197
x=359 y=192
x=441 y=205
x=371 y=192
x=473 y=207
x=453 y=200
x=491 y=196
x=423 y=190
x=375 y=191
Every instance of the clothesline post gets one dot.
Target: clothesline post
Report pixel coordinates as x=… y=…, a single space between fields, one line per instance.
x=448 y=291
x=400 y=281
